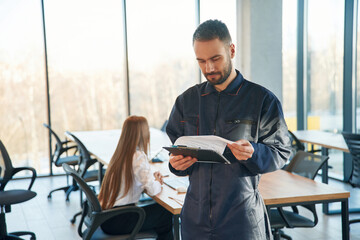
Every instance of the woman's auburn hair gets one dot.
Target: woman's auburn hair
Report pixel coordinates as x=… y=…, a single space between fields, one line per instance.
x=134 y=134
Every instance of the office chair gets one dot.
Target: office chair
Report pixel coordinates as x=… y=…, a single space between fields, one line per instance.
x=307 y=165
x=82 y=168
x=353 y=142
x=10 y=197
x=58 y=158
x=93 y=216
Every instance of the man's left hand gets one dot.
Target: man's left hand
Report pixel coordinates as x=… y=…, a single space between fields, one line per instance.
x=241 y=149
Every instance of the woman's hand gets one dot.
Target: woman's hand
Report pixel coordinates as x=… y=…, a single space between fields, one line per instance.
x=158 y=177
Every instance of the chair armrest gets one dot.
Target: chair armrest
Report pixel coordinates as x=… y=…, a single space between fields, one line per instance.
x=286 y=220
x=295 y=209
x=16 y=170
x=312 y=209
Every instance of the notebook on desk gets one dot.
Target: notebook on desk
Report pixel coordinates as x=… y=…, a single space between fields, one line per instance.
x=177 y=182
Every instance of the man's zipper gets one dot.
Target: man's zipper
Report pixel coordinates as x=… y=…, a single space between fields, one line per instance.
x=217 y=112
x=211 y=168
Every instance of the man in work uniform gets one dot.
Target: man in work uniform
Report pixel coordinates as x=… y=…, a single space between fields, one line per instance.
x=223 y=201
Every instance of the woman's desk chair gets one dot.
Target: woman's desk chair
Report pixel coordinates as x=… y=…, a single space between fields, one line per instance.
x=93 y=216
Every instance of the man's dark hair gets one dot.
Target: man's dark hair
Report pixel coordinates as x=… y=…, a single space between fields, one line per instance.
x=212 y=29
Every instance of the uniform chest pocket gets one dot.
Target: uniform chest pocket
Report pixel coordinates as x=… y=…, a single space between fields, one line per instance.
x=191 y=126
x=241 y=129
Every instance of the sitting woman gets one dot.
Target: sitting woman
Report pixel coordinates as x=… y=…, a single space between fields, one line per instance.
x=127 y=176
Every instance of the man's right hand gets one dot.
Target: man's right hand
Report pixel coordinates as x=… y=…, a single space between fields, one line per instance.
x=179 y=162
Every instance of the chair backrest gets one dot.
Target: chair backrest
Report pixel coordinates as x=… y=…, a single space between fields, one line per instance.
x=353 y=142
x=90 y=195
x=85 y=159
x=296 y=145
x=58 y=145
x=306 y=164
x=6 y=167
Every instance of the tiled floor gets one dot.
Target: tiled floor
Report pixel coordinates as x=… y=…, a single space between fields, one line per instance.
x=50 y=219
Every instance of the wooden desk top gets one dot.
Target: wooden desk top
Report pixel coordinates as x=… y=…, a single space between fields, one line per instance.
x=323 y=139
x=279 y=187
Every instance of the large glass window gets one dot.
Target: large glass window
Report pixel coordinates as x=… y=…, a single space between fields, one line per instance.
x=224 y=11
x=357 y=112
x=22 y=84
x=86 y=64
x=324 y=70
x=289 y=48
x=161 y=59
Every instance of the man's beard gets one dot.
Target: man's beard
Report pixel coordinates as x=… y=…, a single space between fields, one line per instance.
x=224 y=75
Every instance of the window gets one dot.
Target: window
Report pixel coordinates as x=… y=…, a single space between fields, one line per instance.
x=289 y=55
x=161 y=59
x=324 y=70
x=22 y=84
x=86 y=59
x=224 y=11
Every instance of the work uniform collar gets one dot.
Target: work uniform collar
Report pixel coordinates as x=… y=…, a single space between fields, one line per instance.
x=232 y=89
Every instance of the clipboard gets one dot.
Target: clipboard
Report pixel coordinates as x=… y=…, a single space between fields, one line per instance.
x=202 y=155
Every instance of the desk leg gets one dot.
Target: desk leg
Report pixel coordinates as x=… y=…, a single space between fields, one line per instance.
x=176 y=227
x=100 y=173
x=345 y=219
x=325 y=176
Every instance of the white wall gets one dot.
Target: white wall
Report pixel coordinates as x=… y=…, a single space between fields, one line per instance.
x=259 y=46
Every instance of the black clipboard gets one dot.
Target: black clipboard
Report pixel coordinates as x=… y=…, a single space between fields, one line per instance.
x=202 y=155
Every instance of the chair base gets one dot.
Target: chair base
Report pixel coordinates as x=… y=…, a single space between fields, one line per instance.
x=16 y=235
x=67 y=190
x=279 y=234
x=354 y=221
x=4 y=235
x=74 y=217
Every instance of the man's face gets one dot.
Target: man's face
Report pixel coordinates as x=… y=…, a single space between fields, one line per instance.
x=214 y=59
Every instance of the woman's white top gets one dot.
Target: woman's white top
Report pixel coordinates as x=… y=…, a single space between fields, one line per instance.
x=143 y=180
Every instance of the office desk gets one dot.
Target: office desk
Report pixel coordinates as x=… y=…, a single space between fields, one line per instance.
x=278 y=188
x=326 y=140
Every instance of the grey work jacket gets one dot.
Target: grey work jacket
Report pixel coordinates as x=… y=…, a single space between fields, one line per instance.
x=223 y=201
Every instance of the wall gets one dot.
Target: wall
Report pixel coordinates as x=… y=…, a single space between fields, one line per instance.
x=259 y=46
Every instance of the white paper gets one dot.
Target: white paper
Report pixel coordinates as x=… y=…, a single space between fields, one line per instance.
x=212 y=142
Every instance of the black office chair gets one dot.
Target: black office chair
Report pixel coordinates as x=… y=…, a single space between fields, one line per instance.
x=10 y=197
x=353 y=142
x=85 y=162
x=307 y=165
x=93 y=216
x=60 y=156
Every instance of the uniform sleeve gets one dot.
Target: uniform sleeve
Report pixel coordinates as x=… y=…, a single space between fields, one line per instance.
x=272 y=149
x=175 y=129
x=145 y=176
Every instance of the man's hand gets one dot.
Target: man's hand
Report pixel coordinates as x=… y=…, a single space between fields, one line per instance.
x=241 y=149
x=180 y=162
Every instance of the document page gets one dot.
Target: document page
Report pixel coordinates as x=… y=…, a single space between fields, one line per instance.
x=211 y=142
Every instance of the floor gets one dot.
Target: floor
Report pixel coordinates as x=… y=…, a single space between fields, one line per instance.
x=50 y=219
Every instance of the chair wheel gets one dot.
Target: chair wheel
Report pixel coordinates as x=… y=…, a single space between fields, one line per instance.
x=32 y=238
x=72 y=220
x=49 y=196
